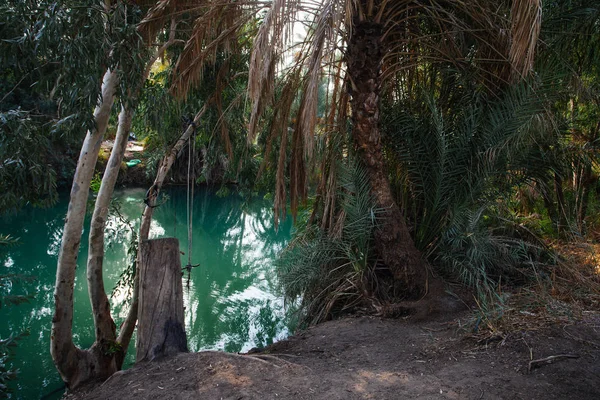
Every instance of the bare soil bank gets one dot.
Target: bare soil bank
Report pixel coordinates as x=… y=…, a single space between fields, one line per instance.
x=374 y=358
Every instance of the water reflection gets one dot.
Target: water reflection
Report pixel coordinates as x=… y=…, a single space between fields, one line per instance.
x=231 y=302
x=231 y=295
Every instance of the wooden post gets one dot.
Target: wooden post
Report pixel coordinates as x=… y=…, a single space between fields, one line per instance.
x=161 y=328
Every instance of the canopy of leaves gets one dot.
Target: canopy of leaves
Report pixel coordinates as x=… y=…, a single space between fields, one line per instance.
x=53 y=54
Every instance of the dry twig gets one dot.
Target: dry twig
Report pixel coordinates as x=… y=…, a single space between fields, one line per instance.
x=549 y=360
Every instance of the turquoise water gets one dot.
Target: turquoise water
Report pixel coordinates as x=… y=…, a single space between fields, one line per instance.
x=231 y=300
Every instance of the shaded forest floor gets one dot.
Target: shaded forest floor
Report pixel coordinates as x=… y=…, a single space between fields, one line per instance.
x=374 y=358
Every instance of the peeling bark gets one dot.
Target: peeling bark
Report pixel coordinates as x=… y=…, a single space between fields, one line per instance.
x=394 y=243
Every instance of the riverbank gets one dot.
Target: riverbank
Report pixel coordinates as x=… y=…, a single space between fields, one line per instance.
x=375 y=358
x=134 y=166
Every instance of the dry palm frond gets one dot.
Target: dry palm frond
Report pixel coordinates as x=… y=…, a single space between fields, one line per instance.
x=303 y=80
x=570 y=292
x=280 y=198
x=273 y=33
x=280 y=121
x=298 y=188
x=219 y=104
x=216 y=27
x=261 y=75
x=327 y=191
x=322 y=41
x=156 y=18
x=526 y=18
x=458 y=34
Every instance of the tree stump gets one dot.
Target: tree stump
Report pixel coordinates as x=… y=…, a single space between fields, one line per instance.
x=161 y=327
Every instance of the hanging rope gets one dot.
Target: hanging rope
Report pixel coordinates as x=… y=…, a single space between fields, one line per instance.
x=190 y=196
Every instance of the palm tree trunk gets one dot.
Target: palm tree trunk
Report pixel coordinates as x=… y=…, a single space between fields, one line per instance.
x=561 y=204
x=395 y=245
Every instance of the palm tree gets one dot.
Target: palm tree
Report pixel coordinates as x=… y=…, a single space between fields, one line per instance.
x=372 y=46
x=364 y=47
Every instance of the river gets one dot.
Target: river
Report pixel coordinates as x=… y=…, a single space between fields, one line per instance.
x=231 y=299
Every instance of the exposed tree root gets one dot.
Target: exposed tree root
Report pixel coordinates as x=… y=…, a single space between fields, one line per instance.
x=435 y=301
x=262 y=358
x=277 y=359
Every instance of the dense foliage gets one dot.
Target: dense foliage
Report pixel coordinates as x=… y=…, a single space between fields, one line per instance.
x=485 y=119
x=487 y=172
x=53 y=54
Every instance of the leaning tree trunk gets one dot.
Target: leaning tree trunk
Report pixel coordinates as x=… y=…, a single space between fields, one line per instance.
x=73 y=364
x=394 y=243
x=151 y=198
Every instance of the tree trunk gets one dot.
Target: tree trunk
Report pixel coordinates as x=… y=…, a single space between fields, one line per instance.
x=125 y=121
x=560 y=199
x=161 y=327
x=394 y=243
x=105 y=328
x=103 y=322
x=73 y=364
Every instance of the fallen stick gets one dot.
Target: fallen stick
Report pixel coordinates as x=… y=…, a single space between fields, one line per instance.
x=549 y=360
x=112 y=376
x=272 y=357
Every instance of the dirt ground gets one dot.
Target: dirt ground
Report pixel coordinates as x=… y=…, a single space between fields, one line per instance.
x=375 y=358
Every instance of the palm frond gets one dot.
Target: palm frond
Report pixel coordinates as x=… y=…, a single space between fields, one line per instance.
x=156 y=17
x=272 y=35
x=457 y=159
x=217 y=27
x=8 y=240
x=526 y=22
x=326 y=268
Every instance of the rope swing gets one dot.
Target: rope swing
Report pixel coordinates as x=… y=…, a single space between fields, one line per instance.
x=190 y=197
